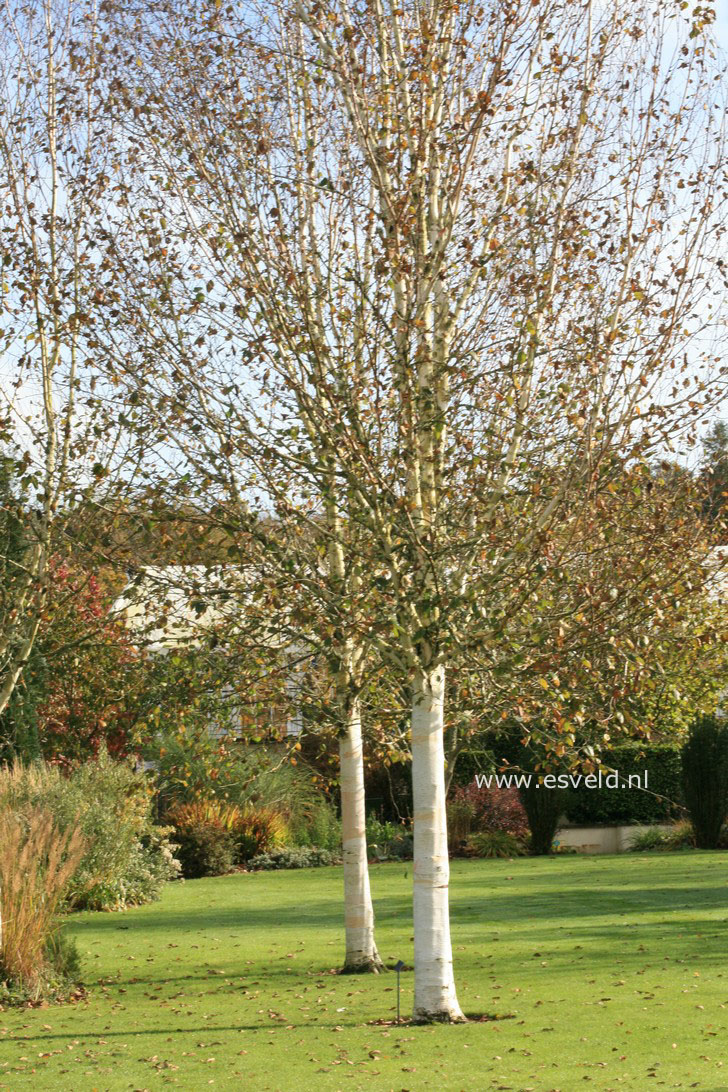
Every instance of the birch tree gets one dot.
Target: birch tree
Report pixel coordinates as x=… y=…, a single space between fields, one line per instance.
x=65 y=444
x=467 y=255
x=277 y=477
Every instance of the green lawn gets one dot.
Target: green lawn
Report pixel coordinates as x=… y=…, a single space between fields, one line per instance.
x=606 y=972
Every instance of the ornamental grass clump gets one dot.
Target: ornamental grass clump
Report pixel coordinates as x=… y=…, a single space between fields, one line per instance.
x=192 y=768
x=38 y=860
x=213 y=836
x=258 y=830
x=494 y=843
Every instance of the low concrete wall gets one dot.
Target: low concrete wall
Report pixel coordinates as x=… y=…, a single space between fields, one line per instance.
x=615 y=839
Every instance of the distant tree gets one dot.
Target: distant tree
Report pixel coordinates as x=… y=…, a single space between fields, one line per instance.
x=705 y=778
x=714 y=475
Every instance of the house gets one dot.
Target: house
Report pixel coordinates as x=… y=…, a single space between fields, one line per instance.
x=180 y=606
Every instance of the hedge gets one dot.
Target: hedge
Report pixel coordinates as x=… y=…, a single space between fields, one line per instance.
x=587 y=807
x=659 y=804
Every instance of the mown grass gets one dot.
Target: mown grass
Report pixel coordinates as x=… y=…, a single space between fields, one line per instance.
x=606 y=973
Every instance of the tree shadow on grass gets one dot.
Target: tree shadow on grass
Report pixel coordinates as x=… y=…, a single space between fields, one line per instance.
x=491 y=909
x=207 y=1030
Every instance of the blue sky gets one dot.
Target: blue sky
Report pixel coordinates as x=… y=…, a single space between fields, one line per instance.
x=722 y=23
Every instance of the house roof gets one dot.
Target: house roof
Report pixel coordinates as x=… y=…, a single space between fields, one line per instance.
x=168 y=605
x=178 y=605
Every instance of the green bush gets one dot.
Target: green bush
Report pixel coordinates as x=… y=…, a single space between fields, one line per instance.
x=315 y=824
x=205 y=850
x=495 y=843
x=381 y=835
x=129 y=858
x=206 y=835
x=294 y=857
x=387 y=841
x=705 y=778
x=647 y=840
x=402 y=848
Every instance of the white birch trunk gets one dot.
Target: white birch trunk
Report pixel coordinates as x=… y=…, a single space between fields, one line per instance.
x=361 y=951
x=435 y=997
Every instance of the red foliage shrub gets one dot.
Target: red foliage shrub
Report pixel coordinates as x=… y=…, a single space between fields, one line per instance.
x=472 y=809
x=88 y=696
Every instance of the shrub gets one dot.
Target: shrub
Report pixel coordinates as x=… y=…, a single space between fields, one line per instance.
x=194 y=767
x=544 y=808
x=38 y=859
x=460 y=818
x=388 y=841
x=205 y=850
x=148 y=863
x=128 y=858
x=315 y=824
x=213 y=836
x=476 y=809
x=294 y=857
x=402 y=848
x=646 y=840
x=494 y=843
x=705 y=779
x=381 y=836
x=205 y=835
x=257 y=831
x=206 y=813
x=681 y=836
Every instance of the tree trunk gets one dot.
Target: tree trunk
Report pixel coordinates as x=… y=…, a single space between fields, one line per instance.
x=15 y=670
x=435 y=997
x=361 y=951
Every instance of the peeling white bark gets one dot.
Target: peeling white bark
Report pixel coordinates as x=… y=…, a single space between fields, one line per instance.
x=435 y=996
x=361 y=951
